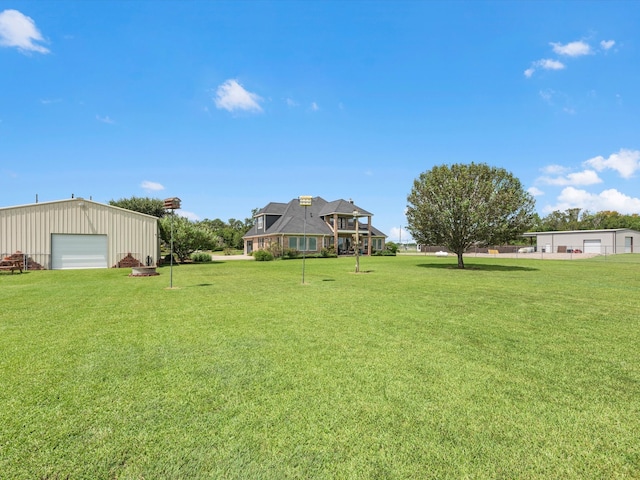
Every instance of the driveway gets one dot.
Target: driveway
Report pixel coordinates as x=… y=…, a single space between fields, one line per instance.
x=224 y=258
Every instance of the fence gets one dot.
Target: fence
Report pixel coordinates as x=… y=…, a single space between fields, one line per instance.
x=562 y=252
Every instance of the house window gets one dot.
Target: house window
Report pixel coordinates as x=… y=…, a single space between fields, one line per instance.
x=260 y=222
x=298 y=243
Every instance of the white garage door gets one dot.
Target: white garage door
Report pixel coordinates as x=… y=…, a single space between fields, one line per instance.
x=592 y=246
x=78 y=251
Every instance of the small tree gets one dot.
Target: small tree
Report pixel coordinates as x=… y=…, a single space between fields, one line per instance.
x=460 y=205
x=187 y=236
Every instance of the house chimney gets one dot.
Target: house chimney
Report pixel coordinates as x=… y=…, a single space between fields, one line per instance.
x=351 y=201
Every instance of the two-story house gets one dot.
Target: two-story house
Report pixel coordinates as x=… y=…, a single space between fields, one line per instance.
x=310 y=229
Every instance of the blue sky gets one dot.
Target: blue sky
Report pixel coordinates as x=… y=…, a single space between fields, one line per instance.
x=231 y=105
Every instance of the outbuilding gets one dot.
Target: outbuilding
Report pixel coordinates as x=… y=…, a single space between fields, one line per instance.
x=78 y=233
x=605 y=242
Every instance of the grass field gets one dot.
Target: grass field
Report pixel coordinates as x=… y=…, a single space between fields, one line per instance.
x=509 y=369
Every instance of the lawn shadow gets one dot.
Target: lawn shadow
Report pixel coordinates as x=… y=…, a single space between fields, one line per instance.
x=484 y=267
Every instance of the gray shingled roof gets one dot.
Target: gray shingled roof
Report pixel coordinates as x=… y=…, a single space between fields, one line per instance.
x=274 y=208
x=342 y=207
x=292 y=218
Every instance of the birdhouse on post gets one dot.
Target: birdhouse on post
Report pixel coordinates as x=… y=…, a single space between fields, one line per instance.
x=172 y=203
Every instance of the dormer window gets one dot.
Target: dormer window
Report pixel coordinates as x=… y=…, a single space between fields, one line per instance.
x=260 y=222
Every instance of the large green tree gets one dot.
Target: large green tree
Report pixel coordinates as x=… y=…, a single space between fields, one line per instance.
x=460 y=205
x=150 y=206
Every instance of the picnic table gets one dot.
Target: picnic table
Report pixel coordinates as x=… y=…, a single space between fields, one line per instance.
x=10 y=264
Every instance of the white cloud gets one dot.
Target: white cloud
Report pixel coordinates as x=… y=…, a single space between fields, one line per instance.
x=291 y=103
x=572 y=49
x=586 y=177
x=232 y=96
x=190 y=215
x=625 y=162
x=105 y=119
x=19 y=31
x=544 y=64
x=151 y=186
x=399 y=234
x=607 y=44
x=549 y=64
x=610 y=199
x=314 y=106
x=554 y=169
x=536 y=192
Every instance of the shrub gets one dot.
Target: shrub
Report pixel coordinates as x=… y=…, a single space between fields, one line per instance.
x=200 y=257
x=328 y=252
x=275 y=249
x=384 y=253
x=392 y=247
x=262 y=256
x=290 y=253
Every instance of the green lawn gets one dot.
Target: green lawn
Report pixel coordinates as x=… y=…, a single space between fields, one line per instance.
x=509 y=369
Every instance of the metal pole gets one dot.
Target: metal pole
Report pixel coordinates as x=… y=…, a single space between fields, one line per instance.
x=304 y=236
x=304 y=201
x=171 y=259
x=357 y=245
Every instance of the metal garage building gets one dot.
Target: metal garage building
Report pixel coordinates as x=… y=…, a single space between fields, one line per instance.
x=78 y=233
x=605 y=242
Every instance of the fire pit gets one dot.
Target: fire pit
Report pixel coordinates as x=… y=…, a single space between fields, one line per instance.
x=143 y=271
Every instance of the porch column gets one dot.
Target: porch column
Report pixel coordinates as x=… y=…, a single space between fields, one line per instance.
x=335 y=232
x=370 y=239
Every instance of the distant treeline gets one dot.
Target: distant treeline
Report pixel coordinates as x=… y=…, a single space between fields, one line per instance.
x=578 y=219
x=190 y=235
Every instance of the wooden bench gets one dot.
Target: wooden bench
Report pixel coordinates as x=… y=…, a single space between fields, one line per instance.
x=12 y=265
